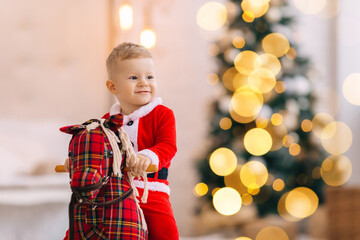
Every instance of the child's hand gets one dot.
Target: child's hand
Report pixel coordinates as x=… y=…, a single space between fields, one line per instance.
x=67 y=165
x=141 y=165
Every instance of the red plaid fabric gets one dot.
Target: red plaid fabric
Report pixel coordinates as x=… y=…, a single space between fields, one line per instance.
x=90 y=162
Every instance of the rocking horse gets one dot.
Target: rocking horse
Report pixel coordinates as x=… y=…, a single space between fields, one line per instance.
x=103 y=203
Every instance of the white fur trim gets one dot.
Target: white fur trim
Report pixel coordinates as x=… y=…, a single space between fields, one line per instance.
x=141 y=112
x=153 y=186
x=132 y=131
x=150 y=154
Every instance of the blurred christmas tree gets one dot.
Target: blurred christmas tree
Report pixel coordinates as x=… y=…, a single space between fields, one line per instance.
x=259 y=140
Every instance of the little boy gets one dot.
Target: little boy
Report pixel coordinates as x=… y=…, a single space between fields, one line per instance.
x=151 y=129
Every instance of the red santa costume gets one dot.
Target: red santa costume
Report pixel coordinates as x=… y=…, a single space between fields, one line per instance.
x=152 y=131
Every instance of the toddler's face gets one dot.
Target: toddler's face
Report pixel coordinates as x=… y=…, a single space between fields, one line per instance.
x=135 y=82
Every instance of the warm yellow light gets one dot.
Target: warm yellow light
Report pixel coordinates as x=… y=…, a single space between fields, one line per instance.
x=257 y=7
x=254 y=189
x=223 y=161
x=278 y=185
x=248 y=16
x=351 y=87
x=238 y=42
x=243 y=238
x=301 y=202
x=288 y=140
x=336 y=170
x=310 y=6
x=261 y=122
x=277 y=119
x=319 y=122
x=247 y=101
x=306 y=125
x=233 y=180
x=211 y=16
x=336 y=138
x=247 y=199
x=212 y=79
x=254 y=174
x=228 y=78
x=227 y=201
x=148 y=38
x=257 y=141
x=272 y=233
x=282 y=210
x=225 y=123
x=280 y=87
x=200 y=189
x=277 y=132
x=246 y=62
x=276 y=44
x=126 y=16
x=270 y=62
x=294 y=149
x=263 y=79
x=291 y=54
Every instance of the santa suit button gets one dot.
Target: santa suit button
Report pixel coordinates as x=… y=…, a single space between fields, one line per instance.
x=130 y=123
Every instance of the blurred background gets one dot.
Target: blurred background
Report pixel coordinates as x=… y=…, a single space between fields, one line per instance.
x=265 y=94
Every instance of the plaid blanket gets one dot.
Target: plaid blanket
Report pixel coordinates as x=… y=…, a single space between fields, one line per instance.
x=91 y=160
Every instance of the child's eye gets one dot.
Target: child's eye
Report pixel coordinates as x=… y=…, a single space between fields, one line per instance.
x=133 y=77
x=150 y=77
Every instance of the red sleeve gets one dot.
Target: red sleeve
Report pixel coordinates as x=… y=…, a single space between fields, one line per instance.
x=164 y=148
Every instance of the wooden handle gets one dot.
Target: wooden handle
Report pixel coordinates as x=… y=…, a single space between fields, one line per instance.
x=151 y=168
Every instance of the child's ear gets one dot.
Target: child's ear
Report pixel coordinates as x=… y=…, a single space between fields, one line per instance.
x=111 y=86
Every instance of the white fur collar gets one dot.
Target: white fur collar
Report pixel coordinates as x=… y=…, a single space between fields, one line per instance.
x=141 y=112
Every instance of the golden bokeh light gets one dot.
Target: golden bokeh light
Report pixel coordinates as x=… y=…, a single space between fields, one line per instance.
x=278 y=185
x=247 y=101
x=316 y=173
x=282 y=210
x=280 y=87
x=276 y=44
x=258 y=141
x=246 y=62
x=243 y=238
x=253 y=189
x=270 y=62
x=291 y=54
x=336 y=138
x=277 y=132
x=212 y=79
x=336 y=170
x=351 y=87
x=214 y=191
x=233 y=180
x=253 y=174
x=294 y=149
x=310 y=6
x=246 y=199
x=228 y=78
x=225 y=123
x=272 y=233
x=261 y=122
x=227 y=201
x=200 y=189
x=301 y=202
x=240 y=80
x=277 y=119
x=126 y=16
x=211 y=16
x=148 y=38
x=288 y=140
x=223 y=161
x=238 y=42
x=319 y=122
x=248 y=16
x=236 y=117
x=306 y=125
x=257 y=8
x=263 y=79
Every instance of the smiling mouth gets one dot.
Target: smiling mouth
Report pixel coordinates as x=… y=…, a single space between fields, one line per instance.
x=142 y=92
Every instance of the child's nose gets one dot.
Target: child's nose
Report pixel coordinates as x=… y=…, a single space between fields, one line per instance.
x=143 y=81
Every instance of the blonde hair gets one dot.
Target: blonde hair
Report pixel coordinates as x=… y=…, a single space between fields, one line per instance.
x=124 y=51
